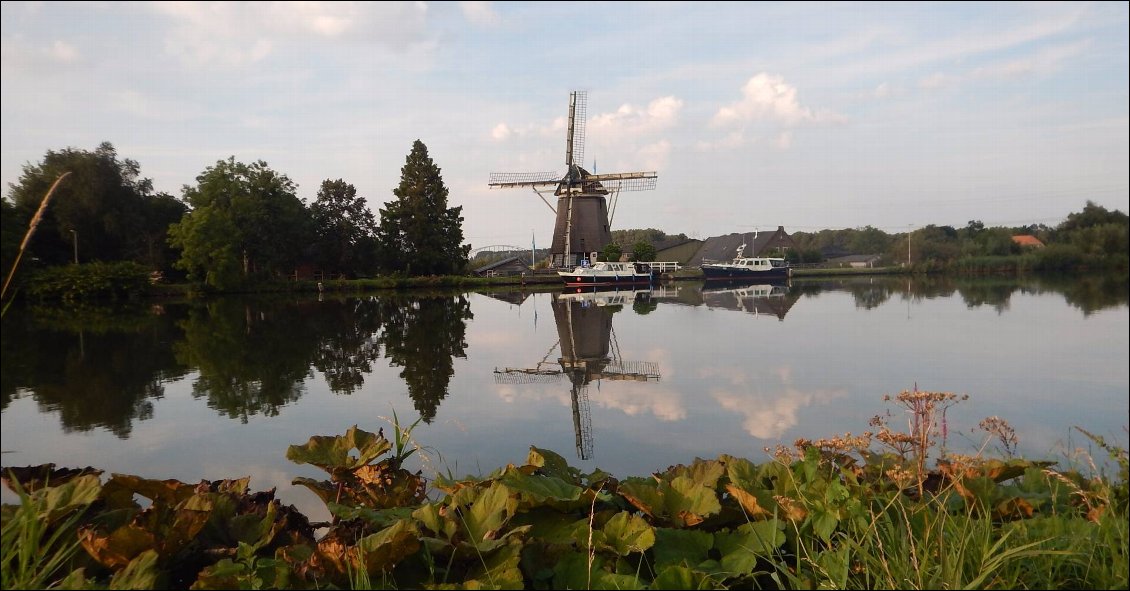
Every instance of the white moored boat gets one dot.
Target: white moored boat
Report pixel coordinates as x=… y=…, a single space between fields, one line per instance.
x=608 y=273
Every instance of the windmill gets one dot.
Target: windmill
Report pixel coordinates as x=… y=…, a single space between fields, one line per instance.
x=587 y=351
x=583 y=216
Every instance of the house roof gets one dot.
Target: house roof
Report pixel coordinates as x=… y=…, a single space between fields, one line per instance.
x=1027 y=240
x=723 y=248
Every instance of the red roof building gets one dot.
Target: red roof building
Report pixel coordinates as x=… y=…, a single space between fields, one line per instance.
x=1026 y=240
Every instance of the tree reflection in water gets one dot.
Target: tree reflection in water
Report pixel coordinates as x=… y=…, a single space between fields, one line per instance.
x=423 y=335
x=103 y=367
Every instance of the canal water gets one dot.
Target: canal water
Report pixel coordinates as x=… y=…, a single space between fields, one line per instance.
x=627 y=381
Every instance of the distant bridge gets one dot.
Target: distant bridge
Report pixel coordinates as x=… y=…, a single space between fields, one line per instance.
x=496 y=252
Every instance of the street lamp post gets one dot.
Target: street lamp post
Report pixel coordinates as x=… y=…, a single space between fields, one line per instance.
x=74 y=241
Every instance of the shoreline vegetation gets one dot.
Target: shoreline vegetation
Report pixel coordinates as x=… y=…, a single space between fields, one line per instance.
x=883 y=509
x=124 y=281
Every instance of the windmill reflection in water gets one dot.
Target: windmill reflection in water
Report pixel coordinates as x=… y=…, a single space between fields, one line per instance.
x=587 y=352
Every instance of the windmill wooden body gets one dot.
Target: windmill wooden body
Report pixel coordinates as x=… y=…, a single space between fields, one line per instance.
x=583 y=216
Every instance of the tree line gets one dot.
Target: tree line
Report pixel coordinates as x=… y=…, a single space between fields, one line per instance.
x=239 y=223
x=243 y=222
x=1094 y=236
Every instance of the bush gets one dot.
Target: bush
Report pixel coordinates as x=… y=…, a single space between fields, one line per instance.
x=98 y=280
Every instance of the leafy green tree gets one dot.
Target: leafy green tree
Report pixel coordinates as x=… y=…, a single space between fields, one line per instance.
x=246 y=221
x=1092 y=215
x=344 y=230
x=868 y=240
x=611 y=252
x=643 y=251
x=12 y=229
x=104 y=208
x=418 y=233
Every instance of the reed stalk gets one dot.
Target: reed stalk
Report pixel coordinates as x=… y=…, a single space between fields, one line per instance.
x=30 y=232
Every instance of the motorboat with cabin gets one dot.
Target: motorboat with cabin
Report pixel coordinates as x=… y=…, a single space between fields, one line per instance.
x=748 y=268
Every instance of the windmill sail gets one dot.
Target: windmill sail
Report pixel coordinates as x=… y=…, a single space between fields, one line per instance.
x=582 y=212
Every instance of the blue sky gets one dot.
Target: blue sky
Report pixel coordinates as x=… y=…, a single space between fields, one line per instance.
x=754 y=115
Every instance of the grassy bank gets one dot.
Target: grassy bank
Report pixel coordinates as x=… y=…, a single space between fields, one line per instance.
x=879 y=510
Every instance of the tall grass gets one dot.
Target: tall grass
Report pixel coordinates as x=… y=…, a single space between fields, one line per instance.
x=39 y=538
x=35 y=219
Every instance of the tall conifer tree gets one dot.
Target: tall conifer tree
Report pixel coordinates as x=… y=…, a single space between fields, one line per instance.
x=419 y=234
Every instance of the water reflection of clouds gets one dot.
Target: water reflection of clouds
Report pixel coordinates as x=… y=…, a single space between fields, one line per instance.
x=497 y=338
x=631 y=398
x=767 y=415
x=634 y=398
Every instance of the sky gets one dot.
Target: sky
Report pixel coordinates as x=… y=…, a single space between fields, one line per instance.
x=754 y=115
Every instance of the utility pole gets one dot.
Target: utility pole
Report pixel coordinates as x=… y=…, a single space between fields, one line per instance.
x=908 y=246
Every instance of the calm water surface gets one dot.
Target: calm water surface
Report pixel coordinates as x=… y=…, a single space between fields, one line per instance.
x=629 y=382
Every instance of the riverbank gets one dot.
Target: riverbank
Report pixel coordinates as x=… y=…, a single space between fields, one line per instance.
x=539 y=278
x=831 y=513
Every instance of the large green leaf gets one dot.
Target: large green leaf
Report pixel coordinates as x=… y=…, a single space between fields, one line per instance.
x=488 y=512
x=681 y=577
x=573 y=572
x=681 y=546
x=253 y=529
x=434 y=517
x=704 y=472
x=535 y=489
x=382 y=550
x=550 y=526
x=689 y=501
x=644 y=495
x=682 y=502
x=551 y=464
x=339 y=453
x=624 y=534
x=741 y=548
x=499 y=569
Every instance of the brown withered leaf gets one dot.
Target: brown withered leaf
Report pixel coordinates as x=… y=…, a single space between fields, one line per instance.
x=33 y=478
x=748 y=502
x=118 y=548
x=1012 y=509
x=119 y=490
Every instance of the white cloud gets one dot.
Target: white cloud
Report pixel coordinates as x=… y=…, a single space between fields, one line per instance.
x=1046 y=61
x=734 y=139
x=659 y=114
x=654 y=156
x=767 y=97
x=500 y=132
x=504 y=131
x=234 y=34
x=883 y=91
x=935 y=81
x=480 y=13
x=784 y=140
x=64 y=52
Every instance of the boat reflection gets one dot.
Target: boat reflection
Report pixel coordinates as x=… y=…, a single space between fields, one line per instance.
x=759 y=299
x=586 y=352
